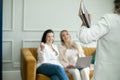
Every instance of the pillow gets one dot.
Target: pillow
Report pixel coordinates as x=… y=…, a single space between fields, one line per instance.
x=93 y=58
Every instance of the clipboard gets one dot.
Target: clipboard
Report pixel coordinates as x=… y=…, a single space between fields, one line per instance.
x=84 y=15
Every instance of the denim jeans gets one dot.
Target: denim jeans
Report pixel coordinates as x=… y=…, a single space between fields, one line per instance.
x=55 y=72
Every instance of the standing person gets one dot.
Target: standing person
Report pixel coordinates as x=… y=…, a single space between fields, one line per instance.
x=69 y=52
x=106 y=32
x=48 y=58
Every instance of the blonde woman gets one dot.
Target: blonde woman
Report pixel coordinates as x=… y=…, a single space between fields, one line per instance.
x=69 y=52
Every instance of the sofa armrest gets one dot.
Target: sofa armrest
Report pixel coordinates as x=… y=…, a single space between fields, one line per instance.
x=28 y=65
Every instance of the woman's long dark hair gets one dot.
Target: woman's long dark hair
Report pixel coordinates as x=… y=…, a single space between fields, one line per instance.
x=45 y=34
x=117 y=6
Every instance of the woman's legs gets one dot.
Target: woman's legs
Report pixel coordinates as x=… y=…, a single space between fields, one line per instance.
x=75 y=73
x=51 y=70
x=85 y=73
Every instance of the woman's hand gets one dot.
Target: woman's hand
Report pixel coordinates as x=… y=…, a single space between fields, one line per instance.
x=70 y=66
x=42 y=46
x=89 y=17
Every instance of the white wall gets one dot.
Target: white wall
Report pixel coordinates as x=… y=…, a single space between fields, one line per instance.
x=24 y=21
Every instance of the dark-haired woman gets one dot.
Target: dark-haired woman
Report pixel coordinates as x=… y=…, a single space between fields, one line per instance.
x=48 y=58
x=106 y=32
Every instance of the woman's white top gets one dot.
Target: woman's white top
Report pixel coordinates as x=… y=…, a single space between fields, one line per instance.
x=106 y=32
x=48 y=55
x=68 y=56
x=72 y=55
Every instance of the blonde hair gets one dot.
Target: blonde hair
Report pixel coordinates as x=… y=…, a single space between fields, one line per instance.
x=72 y=43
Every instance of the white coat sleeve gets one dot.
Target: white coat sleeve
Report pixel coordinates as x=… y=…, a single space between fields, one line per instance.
x=86 y=35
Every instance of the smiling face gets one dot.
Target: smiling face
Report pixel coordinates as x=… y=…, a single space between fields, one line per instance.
x=49 y=38
x=65 y=36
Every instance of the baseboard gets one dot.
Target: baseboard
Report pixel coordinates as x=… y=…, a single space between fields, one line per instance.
x=11 y=75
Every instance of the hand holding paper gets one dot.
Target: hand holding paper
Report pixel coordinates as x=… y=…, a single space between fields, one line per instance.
x=84 y=15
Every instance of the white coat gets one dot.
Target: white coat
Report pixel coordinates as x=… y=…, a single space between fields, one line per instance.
x=106 y=32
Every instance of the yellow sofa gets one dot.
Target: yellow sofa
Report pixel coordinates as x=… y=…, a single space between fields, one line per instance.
x=28 y=64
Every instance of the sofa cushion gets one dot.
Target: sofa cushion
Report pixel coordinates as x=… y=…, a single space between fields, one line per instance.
x=42 y=77
x=91 y=74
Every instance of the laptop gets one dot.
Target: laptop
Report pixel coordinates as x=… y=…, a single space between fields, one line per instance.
x=83 y=62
